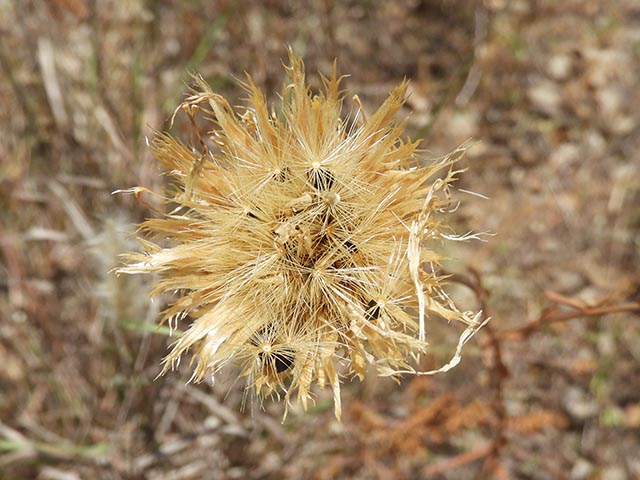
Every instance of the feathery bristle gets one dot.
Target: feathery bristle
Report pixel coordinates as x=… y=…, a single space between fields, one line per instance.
x=300 y=243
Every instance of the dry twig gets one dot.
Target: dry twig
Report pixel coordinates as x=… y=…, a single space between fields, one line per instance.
x=500 y=371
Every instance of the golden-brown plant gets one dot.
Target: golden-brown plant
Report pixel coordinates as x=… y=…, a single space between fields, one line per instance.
x=302 y=243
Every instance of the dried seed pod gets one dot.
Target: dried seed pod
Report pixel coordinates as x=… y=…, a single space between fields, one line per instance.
x=261 y=245
x=281 y=174
x=350 y=246
x=372 y=311
x=321 y=178
x=282 y=361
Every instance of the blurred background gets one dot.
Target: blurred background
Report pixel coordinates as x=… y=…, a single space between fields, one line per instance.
x=548 y=90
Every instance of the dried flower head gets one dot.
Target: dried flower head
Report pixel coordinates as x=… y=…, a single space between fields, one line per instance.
x=301 y=243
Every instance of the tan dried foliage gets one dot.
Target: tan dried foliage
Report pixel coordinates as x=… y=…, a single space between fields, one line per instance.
x=301 y=244
x=537 y=421
x=425 y=424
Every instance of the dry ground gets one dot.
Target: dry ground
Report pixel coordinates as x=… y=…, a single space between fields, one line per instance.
x=551 y=91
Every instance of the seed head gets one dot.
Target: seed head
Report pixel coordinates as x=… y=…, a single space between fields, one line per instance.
x=303 y=245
